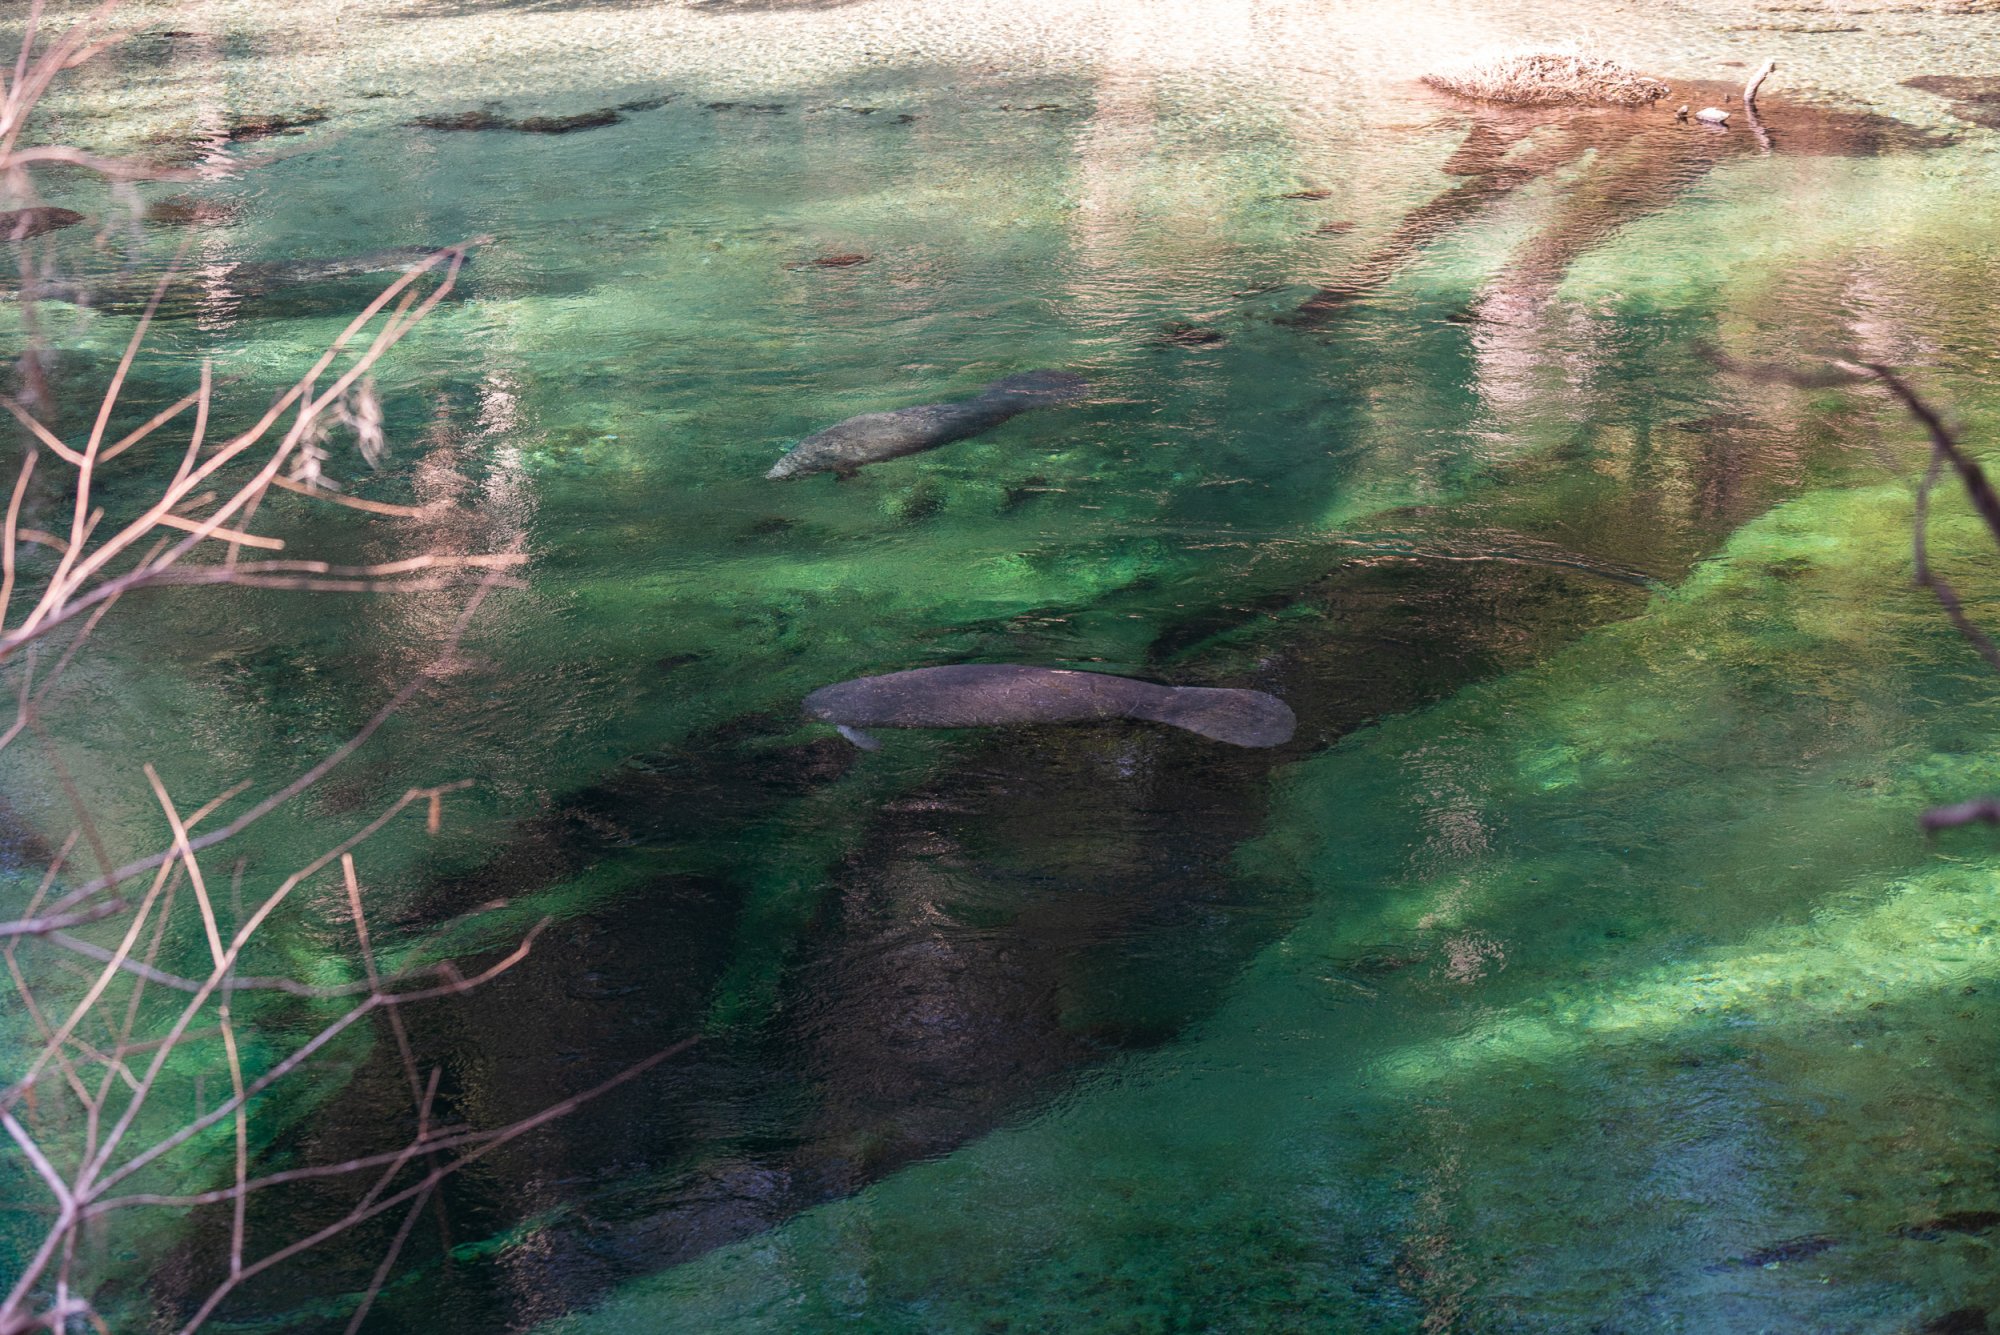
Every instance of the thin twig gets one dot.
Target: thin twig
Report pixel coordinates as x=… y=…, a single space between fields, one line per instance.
x=431 y=1179
x=447 y=653
x=7 y=535
x=1945 y=448
x=352 y=502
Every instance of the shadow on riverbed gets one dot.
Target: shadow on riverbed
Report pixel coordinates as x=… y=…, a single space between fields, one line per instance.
x=894 y=955
x=1975 y=98
x=1042 y=901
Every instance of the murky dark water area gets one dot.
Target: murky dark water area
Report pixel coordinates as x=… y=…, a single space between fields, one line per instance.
x=1576 y=966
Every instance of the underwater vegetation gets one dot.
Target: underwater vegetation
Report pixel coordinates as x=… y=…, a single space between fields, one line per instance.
x=1581 y=935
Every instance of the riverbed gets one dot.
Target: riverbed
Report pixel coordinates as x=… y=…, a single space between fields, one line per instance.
x=1579 y=964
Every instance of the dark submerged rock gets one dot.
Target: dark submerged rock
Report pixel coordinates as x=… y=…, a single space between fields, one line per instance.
x=488 y=119
x=263 y=127
x=20 y=224
x=463 y=120
x=1180 y=334
x=583 y=120
x=1975 y=97
x=1953 y=1221
x=188 y=211
x=770 y=526
x=1779 y=1253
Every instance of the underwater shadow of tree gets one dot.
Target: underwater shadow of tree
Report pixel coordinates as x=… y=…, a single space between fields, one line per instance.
x=1639 y=161
x=1002 y=929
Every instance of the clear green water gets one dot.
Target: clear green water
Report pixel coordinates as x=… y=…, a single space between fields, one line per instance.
x=1578 y=956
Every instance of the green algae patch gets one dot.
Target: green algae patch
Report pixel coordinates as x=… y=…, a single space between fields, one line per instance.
x=1626 y=973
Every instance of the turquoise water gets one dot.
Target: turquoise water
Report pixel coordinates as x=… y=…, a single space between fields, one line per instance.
x=1578 y=966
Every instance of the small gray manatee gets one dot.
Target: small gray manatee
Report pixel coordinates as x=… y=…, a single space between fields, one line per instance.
x=873 y=437
x=982 y=695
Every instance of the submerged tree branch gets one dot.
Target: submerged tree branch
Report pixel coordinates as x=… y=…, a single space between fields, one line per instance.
x=1946 y=449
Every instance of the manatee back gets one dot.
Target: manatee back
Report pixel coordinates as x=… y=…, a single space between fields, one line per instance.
x=872 y=437
x=1239 y=717
x=879 y=435
x=861 y=440
x=974 y=695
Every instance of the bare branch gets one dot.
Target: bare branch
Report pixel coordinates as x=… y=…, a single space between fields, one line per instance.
x=1756 y=82
x=189 y=861
x=7 y=536
x=431 y=1179
x=291 y=1063
x=444 y=970
x=213 y=496
x=352 y=502
x=446 y=654
x=40 y=432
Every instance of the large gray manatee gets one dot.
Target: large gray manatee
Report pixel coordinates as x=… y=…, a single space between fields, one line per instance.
x=978 y=695
x=873 y=437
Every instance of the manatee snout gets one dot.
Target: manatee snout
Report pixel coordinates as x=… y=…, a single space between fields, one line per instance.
x=785 y=467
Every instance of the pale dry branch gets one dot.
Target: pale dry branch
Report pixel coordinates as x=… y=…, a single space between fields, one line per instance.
x=430 y=1180
x=76 y=1109
x=1756 y=82
x=189 y=862
x=444 y=970
x=158 y=420
x=40 y=432
x=352 y=502
x=447 y=653
x=63 y=595
x=11 y=529
x=1945 y=449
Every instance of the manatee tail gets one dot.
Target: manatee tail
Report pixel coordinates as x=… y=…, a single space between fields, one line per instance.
x=1241 y=718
